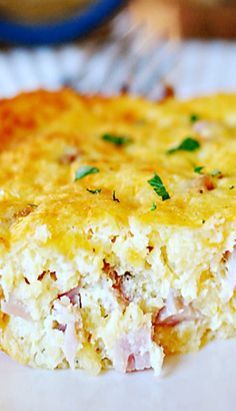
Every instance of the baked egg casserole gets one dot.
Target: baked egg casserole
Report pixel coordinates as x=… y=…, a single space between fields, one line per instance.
x=118 y=229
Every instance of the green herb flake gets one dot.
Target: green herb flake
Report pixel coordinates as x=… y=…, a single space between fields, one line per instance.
x=188 y=144
x=198 y=169
x=85 y=171
x=193 y=118
x=153 y=207
x=116 y=140
x=114 y=198
x=159 y=188
x=96 y=191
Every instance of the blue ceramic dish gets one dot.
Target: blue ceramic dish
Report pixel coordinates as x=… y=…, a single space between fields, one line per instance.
x=60 y=31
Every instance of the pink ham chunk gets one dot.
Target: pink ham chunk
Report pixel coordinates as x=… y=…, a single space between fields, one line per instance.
x=67 y=307
x=138 y=362
x=70 y=344
x=73 y=295
x=15 y=308
x=132 y=351
x=175 y=312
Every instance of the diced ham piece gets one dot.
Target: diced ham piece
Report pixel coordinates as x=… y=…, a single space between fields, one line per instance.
x=185 y=314
x=70 y=344
x=73 y=295
x=138 y=362
x=117 y=282
x=60 y=327
x=130 y=363
x=174 y=312
x=132 y=351
x=16 y=308
x=67 y=317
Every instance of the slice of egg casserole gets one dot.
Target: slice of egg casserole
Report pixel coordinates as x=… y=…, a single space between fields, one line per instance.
x=118 y=229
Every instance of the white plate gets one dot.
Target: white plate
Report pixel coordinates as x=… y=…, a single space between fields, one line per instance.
x=198 y=67
x=203 y=381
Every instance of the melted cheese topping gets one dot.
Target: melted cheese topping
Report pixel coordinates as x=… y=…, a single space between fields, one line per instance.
x=46 y=137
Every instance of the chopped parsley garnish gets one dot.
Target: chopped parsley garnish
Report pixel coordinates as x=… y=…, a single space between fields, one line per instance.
x=188 y=144
x=153 y=207
x=198 y=169
x=96 y=191
x=114 y=198
x=116 y=140
x=159 y=188
x=85 y=171
x=193 y=118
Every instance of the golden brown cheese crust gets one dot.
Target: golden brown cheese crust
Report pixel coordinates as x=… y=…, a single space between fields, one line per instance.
x=39 y=130
x=29 y=112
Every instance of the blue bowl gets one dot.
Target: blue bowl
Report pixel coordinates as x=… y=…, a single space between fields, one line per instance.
x=60 y=31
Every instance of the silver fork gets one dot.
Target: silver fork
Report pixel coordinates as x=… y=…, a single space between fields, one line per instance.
x=128 y=58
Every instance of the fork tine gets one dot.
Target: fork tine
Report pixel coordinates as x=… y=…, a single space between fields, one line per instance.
x=158 y=68
x=99 y=68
